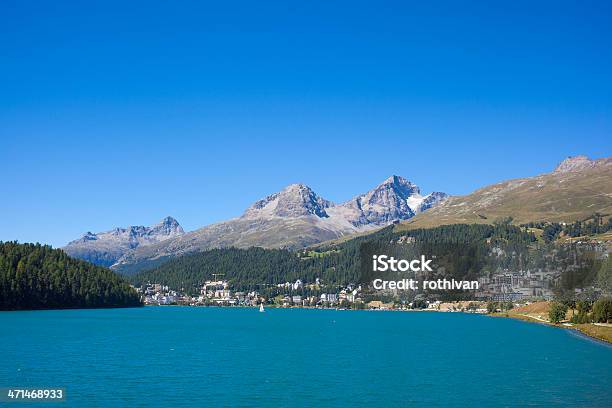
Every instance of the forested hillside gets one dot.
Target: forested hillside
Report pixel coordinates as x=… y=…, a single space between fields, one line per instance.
x=34 y=276
x=334 y=264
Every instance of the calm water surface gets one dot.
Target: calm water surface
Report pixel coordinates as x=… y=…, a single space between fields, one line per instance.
x=177 y=356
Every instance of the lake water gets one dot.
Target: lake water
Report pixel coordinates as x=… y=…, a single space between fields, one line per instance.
x=205 y=357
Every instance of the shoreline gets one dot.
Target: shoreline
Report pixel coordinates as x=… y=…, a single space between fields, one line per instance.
x=578 y=329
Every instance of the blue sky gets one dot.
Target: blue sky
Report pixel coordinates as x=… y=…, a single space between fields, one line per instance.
x=120 y=113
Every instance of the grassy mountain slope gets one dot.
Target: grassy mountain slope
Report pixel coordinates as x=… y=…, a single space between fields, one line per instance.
x=570 y=193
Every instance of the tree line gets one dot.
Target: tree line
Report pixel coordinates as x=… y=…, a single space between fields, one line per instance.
x=35 y=276
x=583 y=311
x=596 y=224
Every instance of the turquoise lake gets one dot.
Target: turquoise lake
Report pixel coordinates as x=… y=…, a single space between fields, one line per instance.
x=205 y=357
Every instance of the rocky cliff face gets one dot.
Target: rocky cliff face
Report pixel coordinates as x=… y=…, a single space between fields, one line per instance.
x=295 y=200
x=395 y=199
x=106 y=248
x=581 y=163
x=431 y=200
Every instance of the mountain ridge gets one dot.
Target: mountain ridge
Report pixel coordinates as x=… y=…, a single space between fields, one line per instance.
x=106 y=248
x=291 y=218
x=576 y=189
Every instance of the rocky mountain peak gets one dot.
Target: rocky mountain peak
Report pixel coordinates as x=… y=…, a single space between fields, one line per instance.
x=574 y=163
x=89 y=236
x=169 y=221
x=396 y=180
x=168 y=226
x=105 y=248
x=396 y=198
x=295 y=200
x=392 y=188
x=580 y=163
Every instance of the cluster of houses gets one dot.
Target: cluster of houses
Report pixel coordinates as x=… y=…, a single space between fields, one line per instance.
x=529 y=284
x=218 y=292
x=215 y=292
x=344 y=297
x=156 y=294
x=518 y=285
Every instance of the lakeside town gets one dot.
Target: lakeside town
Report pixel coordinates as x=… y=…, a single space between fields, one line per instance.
x=218 y=293
x=517 y=287
x=520 y=295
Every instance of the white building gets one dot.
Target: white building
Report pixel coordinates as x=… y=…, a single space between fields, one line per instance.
x=298 y=284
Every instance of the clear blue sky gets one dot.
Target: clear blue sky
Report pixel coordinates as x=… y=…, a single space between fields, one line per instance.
x=120 y=113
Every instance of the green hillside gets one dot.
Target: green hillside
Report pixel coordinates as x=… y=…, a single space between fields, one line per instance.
x=335 y=264
x=561 y=196
x=34 y=276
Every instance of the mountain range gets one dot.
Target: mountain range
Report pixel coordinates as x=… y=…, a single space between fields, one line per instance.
x=296 y=217
x=106 y=248
x=292 y=218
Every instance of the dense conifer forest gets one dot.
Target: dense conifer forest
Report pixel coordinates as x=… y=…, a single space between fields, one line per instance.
x=34 y=276
x=335 y=263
